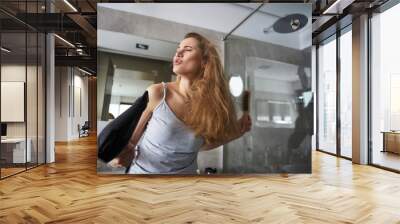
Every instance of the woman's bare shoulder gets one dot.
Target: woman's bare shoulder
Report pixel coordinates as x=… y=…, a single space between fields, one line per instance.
x=155 y=95
x=155 y=89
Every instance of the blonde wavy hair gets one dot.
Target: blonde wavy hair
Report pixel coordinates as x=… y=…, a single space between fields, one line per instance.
x=211 y=112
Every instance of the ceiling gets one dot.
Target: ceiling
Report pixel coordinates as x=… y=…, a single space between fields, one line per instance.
x=81 y=26
x=75 y=23
x=224 y=17
x=330 y=16
x=122 y=43
x=19 y=53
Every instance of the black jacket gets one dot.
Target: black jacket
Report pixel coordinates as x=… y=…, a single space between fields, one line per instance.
x=114 y=137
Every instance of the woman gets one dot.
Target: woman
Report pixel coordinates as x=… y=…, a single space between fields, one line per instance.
x=193 y=113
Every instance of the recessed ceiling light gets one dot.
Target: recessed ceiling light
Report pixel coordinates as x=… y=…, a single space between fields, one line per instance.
x=64 y=40
x=142 y=46
x=337 y=7
x=86 y=72
x=70 y=5
x=5 y=49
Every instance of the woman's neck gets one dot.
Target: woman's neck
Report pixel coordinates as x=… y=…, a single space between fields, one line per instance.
x=184 y=86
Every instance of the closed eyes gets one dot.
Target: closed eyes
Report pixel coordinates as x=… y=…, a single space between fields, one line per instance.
x=186 y=48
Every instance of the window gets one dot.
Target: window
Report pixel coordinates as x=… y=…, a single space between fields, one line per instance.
x=346 y=92
x=385 y=89
x=274 y=113
x=327 y=95
x=123 y=107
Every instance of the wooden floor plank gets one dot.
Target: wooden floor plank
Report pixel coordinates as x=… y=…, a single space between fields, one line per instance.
x=70 y=191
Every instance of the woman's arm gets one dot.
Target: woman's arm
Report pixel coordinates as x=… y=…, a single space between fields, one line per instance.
x=245 y=125
x=127 y=154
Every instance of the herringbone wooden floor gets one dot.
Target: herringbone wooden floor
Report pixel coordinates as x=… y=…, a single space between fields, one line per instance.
x=70 y=191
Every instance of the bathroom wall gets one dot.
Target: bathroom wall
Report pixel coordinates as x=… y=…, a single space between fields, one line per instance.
x=268 y=147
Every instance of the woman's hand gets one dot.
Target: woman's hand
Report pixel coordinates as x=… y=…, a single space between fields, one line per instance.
x=124 y=159
x=245 y=123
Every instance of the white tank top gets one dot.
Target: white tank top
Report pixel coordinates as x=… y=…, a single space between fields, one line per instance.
x=167 y=146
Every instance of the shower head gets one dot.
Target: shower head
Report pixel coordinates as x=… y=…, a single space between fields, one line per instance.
x=290 y=23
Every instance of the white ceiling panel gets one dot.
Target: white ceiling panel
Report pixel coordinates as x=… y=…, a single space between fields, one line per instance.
x=223 y=17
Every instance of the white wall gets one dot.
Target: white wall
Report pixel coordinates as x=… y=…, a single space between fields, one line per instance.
x=33 y=126
x=68 y=82
x=16 y=73
x=81 y=83
x=61 y=103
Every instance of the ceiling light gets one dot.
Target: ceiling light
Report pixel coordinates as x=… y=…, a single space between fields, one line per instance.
x=142 y=46
x=65 y=41
x=70 y=5
x=5 y=49
x=86 y=72
x=331 y=7
x=334 y=5
x=236 y=85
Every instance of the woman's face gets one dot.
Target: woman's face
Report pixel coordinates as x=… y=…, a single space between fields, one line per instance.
x=187 y=59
